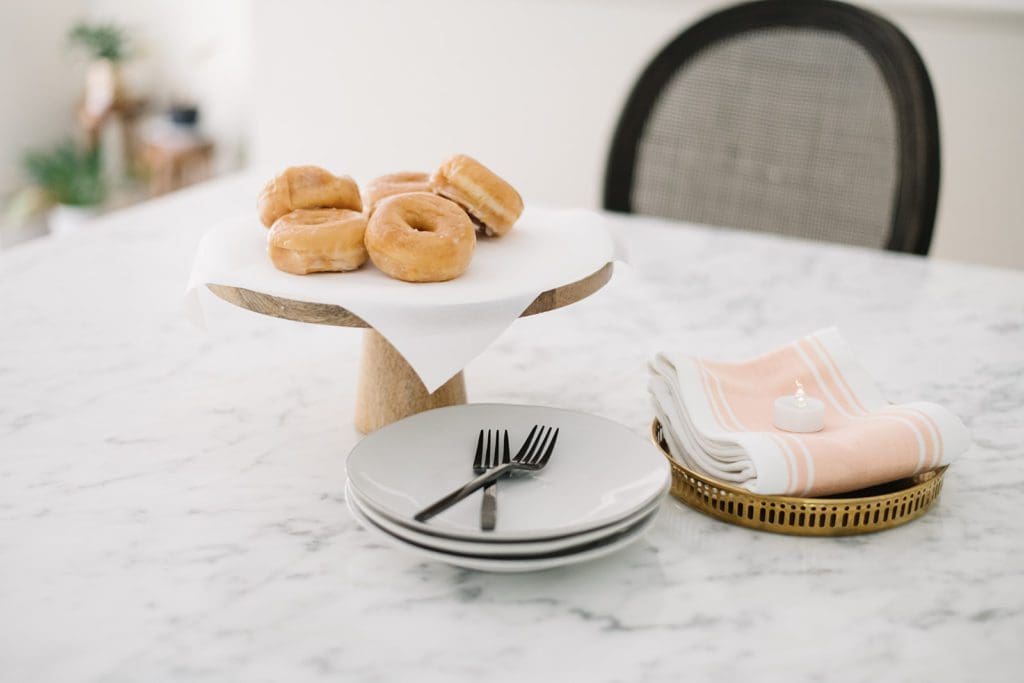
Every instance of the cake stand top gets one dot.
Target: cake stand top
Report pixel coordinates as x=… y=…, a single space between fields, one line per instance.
x=330 y=314
x=552 y=258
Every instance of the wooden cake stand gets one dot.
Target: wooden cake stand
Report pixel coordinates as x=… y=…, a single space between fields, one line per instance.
x=389 y=388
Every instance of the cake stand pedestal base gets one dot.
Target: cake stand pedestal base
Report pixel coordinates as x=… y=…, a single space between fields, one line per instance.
x=389 y=388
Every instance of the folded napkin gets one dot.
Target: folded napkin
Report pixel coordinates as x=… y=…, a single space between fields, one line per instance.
x=717 y=419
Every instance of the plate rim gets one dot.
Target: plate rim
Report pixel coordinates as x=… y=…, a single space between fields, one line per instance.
x=498 y=537
x=654 y=501
x=626 y=522
x=506 y=565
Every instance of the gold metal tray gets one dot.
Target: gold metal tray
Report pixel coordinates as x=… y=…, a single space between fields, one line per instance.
x=859 y=512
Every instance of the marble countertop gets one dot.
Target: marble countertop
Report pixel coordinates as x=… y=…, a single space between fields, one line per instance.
x=171 y=500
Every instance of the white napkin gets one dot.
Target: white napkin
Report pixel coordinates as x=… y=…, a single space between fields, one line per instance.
x=717 y=419
x=438 y=327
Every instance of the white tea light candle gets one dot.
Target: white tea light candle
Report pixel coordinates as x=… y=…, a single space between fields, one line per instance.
x=799 y=413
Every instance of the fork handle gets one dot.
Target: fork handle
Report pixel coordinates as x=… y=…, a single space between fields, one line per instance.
x=489 y=507
x=462 y=492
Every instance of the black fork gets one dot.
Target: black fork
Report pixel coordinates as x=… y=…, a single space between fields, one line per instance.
x=488 y=457
x=534 y=455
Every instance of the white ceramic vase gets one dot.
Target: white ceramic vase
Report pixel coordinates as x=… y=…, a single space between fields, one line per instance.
x=102 y=87
x=65 y=219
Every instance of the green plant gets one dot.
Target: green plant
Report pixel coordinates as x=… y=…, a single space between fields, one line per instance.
x=102 y=41
x=68 y=174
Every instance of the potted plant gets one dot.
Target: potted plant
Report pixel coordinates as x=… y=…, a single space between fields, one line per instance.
x=71 y=183
x=107 y=46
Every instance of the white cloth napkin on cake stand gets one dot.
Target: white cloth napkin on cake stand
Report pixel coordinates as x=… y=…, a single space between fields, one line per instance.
x=438 y=327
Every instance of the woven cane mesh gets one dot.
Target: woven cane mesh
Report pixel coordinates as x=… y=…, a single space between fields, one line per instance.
x=786 y=130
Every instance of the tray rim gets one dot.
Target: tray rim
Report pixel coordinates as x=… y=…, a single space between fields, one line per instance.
x=918 y=480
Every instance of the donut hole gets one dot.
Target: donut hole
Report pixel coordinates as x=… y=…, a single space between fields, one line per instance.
x=421 y=224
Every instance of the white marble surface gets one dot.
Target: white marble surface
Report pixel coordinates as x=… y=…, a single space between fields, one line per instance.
x=171 y=501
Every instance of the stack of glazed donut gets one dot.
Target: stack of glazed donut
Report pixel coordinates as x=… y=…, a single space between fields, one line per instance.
x=412 y=226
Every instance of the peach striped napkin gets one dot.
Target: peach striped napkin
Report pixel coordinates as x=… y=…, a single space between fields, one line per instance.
x=717 y=418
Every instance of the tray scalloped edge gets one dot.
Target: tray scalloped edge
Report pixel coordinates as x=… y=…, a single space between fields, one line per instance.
x=907 y=500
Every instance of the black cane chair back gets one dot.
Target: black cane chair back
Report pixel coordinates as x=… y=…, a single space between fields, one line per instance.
x=808 y=118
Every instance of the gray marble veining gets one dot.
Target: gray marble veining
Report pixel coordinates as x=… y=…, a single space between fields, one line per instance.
x=171 y=500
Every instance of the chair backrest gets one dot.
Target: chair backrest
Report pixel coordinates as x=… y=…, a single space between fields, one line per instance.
x=810 y=118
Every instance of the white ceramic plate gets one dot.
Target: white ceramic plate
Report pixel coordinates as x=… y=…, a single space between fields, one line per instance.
x=509 y=549
x=508 y=565
x=600 y=472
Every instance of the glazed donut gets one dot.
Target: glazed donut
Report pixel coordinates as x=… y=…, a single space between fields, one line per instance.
x=389 y=185
x=307 y=187
x=492 y=202
x=317 y=240
x=420 y=237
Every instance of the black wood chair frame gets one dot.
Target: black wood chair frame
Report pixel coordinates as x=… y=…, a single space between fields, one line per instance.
x=905 y=75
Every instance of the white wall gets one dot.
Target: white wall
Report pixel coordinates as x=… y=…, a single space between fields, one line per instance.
x=977 y=64
x=534 y=89
x=38 y=81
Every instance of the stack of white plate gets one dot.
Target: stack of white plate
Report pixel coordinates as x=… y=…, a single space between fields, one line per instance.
x=599 y=492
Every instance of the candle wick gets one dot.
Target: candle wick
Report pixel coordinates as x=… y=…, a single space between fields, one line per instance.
x=800 y=396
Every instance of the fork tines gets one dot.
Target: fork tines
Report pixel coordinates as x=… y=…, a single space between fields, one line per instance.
x=489 y=450
x=536 y=451
x=492 y=448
